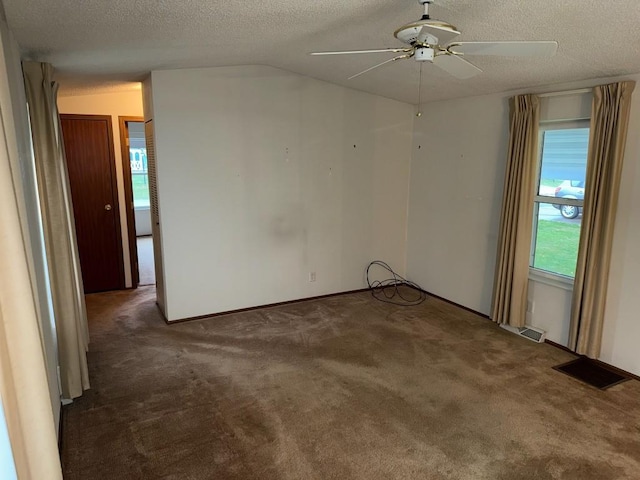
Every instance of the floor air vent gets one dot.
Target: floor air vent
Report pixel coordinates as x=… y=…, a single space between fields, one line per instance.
x=531 y=333
x=593 y=373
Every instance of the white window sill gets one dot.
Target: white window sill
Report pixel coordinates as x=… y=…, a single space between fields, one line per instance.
x=552 y=279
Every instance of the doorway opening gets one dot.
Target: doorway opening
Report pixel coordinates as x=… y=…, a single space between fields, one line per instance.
x=134 y=160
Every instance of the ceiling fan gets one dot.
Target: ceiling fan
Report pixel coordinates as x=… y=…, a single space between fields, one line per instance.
x=430 y=40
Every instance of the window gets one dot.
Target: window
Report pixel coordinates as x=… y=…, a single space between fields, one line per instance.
x=559 y=197
x=7 y=466
x=138 y=159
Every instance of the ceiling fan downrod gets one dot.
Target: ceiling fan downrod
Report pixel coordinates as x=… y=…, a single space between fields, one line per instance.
x=426 y=4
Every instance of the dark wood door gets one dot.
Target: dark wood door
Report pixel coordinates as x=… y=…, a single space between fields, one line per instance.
x=88 y=143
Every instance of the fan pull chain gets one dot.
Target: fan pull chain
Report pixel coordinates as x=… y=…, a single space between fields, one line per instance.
x=419 y=114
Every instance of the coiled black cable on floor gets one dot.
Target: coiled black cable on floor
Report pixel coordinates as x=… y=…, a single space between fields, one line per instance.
x=390 y=291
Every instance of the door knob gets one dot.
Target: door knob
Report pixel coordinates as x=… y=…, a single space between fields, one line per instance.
x=107 y=207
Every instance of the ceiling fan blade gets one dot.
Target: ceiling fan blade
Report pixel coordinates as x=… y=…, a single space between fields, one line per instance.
x=456 y=66
x=516 y=49
x=442 y=33
x=351 y=52
x=399 y=57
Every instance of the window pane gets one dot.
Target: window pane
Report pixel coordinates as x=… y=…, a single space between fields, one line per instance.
x=556 y=239
x=138 y=159
x=140 y=178
x=564 y=162
x=140 y=190
x=563 y=166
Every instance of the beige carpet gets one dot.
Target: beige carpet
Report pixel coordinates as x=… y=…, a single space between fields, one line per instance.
x=340 y=388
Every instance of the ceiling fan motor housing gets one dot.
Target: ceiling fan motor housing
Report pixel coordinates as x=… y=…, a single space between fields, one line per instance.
x=424 y=54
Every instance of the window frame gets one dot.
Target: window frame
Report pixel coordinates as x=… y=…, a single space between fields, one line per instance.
x=538 y=274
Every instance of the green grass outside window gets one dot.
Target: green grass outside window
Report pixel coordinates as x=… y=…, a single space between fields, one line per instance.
x=557 y=247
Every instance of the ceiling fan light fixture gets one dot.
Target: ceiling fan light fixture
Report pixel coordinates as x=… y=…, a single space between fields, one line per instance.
x=424 y=54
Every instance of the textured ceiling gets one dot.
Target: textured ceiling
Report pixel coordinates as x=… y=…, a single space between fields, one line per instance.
x=99 y=45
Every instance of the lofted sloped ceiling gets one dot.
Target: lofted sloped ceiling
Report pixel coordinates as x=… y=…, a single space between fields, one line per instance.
x=98 y=45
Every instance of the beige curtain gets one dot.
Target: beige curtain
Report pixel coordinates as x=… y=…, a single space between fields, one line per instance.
x=23 y=379
x=514 y=243
x=59 y=229
x=609 y=122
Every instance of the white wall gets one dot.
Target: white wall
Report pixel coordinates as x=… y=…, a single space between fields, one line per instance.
x=143 y=221
x=457 y=173
x=123 y=104
x=16 y=122
x=551 y=310
x=265 y=176
x=454 y=208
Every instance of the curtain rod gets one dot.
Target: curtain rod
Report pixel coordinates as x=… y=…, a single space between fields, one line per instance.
x=566 y=92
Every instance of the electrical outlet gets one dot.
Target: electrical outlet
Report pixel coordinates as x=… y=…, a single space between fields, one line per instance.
x=312 y=276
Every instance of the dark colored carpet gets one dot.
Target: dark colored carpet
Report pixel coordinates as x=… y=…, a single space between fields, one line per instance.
x=592 y=373
x=339 y=388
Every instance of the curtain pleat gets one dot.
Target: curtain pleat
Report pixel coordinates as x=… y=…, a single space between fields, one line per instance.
x=514 y=242
x=609 y=125
x=23 y=379
x=59 y=229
